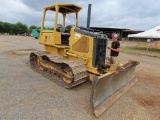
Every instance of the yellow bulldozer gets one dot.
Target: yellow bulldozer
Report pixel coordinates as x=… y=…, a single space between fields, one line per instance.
x=73 y=57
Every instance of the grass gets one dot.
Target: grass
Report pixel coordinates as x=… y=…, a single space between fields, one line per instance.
x=141 y=50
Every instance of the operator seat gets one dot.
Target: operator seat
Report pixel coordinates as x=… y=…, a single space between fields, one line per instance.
x=64 y=36
x=60 y=28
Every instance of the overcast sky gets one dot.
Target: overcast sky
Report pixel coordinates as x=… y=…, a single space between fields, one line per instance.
x=131 y=14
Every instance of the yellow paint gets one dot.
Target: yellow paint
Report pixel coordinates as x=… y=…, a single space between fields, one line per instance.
x=76 y=50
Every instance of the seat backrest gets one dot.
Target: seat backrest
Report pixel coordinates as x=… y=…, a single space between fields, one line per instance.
x=60 y=28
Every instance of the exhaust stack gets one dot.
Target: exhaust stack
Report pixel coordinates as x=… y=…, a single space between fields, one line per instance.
x=88 y=16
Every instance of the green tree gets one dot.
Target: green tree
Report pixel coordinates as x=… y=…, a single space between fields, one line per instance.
x=18 y=28
x=1 y=27
x=68 y=27
x=7 y=28
x=21 y=28
x=32 y=27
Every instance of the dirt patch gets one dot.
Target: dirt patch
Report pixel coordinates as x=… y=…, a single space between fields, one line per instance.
x=20 y=51
x=150 y=103
x=146 y=100
x=150 y=81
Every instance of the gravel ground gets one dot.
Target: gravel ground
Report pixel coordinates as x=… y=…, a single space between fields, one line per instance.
x=25 y=94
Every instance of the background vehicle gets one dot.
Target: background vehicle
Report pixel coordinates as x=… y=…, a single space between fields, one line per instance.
x=73 y=57
x=35 y=33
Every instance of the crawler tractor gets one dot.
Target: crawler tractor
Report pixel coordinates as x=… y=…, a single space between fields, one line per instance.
x=73 y=57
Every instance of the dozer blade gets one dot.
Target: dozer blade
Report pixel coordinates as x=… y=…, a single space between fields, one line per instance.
x=106 y=89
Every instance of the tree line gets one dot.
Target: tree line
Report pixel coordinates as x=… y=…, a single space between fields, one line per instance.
x=15 y=29
x=18 y=28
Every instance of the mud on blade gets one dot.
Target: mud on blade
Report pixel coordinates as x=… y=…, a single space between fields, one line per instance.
x=106 y=89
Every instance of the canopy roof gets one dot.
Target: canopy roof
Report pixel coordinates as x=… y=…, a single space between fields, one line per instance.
x=152 y=33
x=64 y=8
